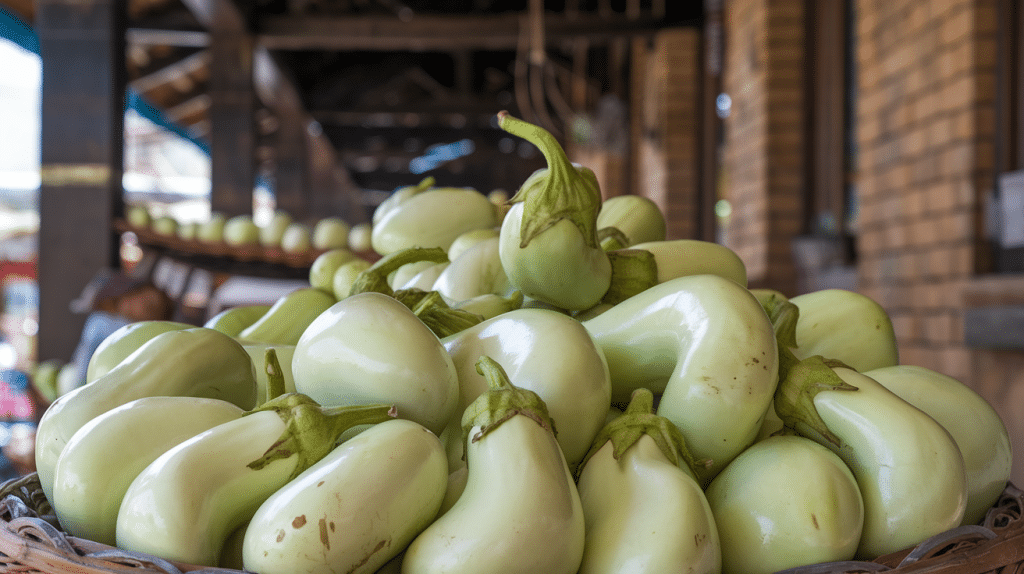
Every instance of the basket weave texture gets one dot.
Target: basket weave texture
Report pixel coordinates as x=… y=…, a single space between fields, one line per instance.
x=31 y=542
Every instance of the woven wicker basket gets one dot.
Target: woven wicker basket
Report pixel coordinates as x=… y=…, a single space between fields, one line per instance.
x=31 y=542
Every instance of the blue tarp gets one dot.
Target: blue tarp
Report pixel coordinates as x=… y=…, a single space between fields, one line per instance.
x=12 y=28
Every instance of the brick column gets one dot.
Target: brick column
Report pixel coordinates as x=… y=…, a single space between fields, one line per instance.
x=667 y=107
x=763 y=163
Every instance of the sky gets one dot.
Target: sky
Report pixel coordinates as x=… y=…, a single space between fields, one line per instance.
x=20 y=80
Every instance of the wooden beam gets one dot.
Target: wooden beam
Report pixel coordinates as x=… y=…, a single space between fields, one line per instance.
x=222 y=15
x=194 y=64
x=436 y=33
x=190 y=112
x=162 y=37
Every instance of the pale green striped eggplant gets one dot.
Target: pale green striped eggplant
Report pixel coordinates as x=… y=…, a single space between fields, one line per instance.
x=845 y=326
x=353 y=510
x=705 y=345
x=520 y=512
x=785 y=502
x=644 y=510
x=187 y=503
x=197 y=362
x=103 y=458
x=970 y=419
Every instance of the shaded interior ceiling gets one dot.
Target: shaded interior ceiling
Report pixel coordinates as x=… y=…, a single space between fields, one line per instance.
x=387 y=79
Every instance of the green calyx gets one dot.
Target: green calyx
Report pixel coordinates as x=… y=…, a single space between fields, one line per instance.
x=501 y=402
x=442 y=319
x=799 y=382
x=611 y=238
x=275 y=376
x=782 y=313
x=491 y=305
x=410 y=297
x=311 y=430
x=562 y=191
x=638 y=420
x=633 y=271
x=375 y=278
x=424 y=184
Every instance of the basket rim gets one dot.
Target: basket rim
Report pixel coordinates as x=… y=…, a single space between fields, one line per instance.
x=31 y=541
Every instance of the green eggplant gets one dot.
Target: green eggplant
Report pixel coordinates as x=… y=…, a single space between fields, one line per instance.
x=846 y=326
x=543 y=351
x=297 y=238
x=288 y=317
x=909 y=469
x=186 y=503
x=469 y=239
x=321 y=272
x=234 y=320
x=331 y=233
x=407 y=272
x=423 y=279
x=370 y=348
x=164 y=225
x=355 y=509
x=379 y=276
x=432 y=218
x=359 y=237
x=785 y=502
x=399 y=196
x=196 y=362
x=44 y=379
x=520 y=511
x=682 y=257
x=123 y=342
x=241 y=231
x=212 y=230
x=976 y=427
x=490 y=305
x=548 y=240
x=345 y=276
x=643 y=508
x=705 y=345
x=270 y=234
x=477 y=271
x=103 y=457
x=636 y=217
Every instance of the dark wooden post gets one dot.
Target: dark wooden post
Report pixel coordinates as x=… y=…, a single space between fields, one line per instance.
x=82 y=49
x=232 y=121
x=291 y=189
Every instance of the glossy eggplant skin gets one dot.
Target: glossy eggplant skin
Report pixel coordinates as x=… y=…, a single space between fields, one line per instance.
x=846 y=326
x=104 y=456
x=355 y=509
x=370 y=348
x=546 y=352
x=197 y=362
x=978 y=430
x=785 y=502
x=645 y=514
x=520 y=511
x=909 y=469
x=709 y=350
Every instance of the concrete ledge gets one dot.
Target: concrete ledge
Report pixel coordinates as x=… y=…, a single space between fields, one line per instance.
x=994 y=312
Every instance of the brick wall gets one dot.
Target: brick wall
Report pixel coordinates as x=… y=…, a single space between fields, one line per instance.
x=925 y=132
x=763 y=159
x=926 y=125
x=666 y=115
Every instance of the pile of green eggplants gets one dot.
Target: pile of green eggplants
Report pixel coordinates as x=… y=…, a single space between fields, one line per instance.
x=555 y=390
